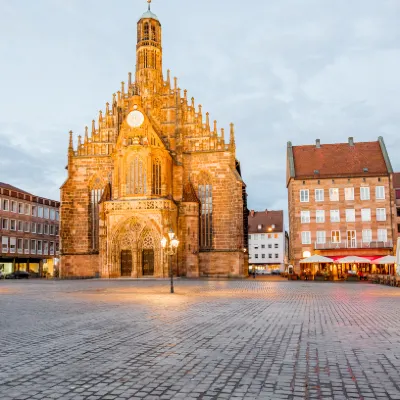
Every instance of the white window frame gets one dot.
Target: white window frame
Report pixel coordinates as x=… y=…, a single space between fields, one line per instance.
x=305 y=237
x=13 y=244
x=20 y=208
x=4 y=224
x=382 y=235
x=365 y=214
x=334 y=194
x=20 y=249
x=34 y=211
x=350 y=215
x=304 y=195
x=6 y=205
x=13 y=222
x=4 y=244
x=33 y=246
x=14 y=206
x=381 y=214
x=321 y=237
x=380 y=193
x=367 y=236
x=320 y=216
x=365 y=193
x=305 y=217
x=335 y=236
x=335 y=213
x=319 y=195
x=46 y=213
x=349 y=193
x=33 y=227
x=40 y=212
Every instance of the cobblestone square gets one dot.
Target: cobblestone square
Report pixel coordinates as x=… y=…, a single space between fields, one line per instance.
x=210 y=340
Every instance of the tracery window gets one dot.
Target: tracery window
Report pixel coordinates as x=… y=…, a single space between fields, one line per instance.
x=95 y=195
x=206 y=229
x=153 y=33
x=136 y=179
x=146 y=31
x=156 y=178
x=146 y=59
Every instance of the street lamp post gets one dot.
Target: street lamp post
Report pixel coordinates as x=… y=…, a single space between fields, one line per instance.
x=171 y=245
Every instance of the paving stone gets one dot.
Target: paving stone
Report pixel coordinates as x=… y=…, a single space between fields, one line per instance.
x=119 y=340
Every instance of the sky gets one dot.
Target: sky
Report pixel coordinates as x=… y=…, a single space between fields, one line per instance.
x=279 y=69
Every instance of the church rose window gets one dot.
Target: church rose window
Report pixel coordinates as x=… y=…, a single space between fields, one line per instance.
x=206 y=233
x=136 y=179
x=156 y=178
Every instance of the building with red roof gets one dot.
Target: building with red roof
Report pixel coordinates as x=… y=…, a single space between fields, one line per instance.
x=340 y=202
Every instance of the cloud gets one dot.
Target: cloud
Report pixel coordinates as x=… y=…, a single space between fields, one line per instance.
x=280 y=70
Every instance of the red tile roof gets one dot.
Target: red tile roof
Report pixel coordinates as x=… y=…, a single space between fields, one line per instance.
x=396 y=180
x=266 y=219
x=341 y=159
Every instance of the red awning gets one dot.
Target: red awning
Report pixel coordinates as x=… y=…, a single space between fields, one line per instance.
x=370 y=258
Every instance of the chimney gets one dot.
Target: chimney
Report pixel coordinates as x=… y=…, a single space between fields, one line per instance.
x=266 y=211
x=351 y=141
x=318 y=143
x=252 y=213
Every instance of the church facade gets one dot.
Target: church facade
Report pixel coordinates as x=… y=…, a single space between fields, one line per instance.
x=153 y=162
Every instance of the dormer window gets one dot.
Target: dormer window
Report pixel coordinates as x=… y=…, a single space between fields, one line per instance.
x=259 y=227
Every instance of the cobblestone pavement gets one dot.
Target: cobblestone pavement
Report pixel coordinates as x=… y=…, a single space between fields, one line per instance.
x=211 y=340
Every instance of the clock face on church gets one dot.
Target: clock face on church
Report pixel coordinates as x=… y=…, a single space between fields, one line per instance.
x=135 y=119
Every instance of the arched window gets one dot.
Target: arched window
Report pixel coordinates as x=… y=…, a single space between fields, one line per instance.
x=139 y=33
x=146 y=31
x=96 y=191
x=146 y=59
x=136 y=179
x=206 y=213
x=153 y=33
x=156 y=181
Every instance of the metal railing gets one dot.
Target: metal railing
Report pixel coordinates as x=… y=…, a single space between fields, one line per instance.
x=354 y=244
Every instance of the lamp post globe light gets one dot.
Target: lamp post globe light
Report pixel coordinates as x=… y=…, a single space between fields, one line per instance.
x=171 y=245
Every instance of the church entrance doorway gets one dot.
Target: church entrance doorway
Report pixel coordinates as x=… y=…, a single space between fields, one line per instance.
x=126 y=263
x=148 y=262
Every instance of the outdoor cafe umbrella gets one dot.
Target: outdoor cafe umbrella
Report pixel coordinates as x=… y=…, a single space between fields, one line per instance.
x=316 y=259
x=385 y=260
x=353 y=260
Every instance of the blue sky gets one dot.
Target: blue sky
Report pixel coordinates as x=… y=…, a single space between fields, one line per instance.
x=279 y=69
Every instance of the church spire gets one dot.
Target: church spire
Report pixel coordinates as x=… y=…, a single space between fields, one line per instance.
x=148 y=49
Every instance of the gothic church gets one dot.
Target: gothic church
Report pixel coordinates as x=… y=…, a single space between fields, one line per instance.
x=153 y=163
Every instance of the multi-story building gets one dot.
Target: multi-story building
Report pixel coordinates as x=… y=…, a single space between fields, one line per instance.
x=267 y=240
x=29 y=229
x=154 y=162
x=340 y=200
x=396 y=208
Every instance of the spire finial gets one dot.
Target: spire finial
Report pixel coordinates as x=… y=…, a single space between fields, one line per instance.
x=149 y=1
